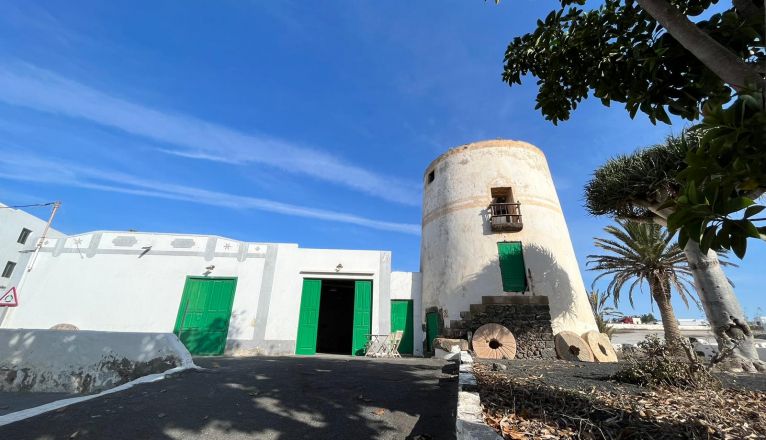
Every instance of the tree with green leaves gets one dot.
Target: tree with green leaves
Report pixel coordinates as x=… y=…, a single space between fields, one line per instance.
x=638 y=254
x=648 y=318
x=660 y=57
x=636 y=187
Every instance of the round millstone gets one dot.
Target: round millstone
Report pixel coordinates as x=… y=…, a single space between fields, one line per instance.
x=571 y=347
x=601 y=346
x=493 y=341
x=64 y=326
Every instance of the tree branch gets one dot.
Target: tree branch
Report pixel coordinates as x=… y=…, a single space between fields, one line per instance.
x=746 y=8
x=725 y=64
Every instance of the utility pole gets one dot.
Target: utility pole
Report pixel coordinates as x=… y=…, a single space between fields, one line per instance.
x=30 y=266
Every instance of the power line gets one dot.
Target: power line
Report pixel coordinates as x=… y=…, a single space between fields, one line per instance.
x=28 y=206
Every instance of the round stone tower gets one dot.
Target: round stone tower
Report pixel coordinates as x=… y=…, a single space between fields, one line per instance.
x=493 y=226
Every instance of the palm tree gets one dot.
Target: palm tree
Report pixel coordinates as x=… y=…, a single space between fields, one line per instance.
x=641 y=253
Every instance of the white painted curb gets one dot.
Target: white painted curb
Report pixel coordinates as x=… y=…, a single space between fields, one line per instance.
x=187 y=364
x=469 y=423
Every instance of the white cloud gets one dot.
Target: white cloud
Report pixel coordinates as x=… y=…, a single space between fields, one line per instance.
x=29 y=86
x=21 y=167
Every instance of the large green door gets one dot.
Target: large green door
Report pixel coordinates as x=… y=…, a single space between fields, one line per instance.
x=401 y=319
x=308 y=320
x=512 y=268
x=362 y=316
x=432 y=329
x=203 y=316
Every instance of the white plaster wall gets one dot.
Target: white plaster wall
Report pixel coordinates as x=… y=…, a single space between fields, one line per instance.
x=407 y=285
x=296 y=264
x=125 y=293
x=459 y=255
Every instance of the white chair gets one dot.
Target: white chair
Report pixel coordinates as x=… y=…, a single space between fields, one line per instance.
x=393 y=343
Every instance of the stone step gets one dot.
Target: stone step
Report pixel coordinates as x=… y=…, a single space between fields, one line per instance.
x=477 y=308
x=514 y=299
x=455 y=333
x=458 y=323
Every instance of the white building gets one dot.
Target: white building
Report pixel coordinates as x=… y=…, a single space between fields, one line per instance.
x=19 y=233
x=223 y=295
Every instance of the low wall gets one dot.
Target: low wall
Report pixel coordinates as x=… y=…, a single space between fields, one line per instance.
x=83 y=361
x=528 y=318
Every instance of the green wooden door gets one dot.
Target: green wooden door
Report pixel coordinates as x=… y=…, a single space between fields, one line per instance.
x=308 y=320
x=432 y=329
x=512 y=268
x=203 y=316
x=362 y=316
x=401 y=319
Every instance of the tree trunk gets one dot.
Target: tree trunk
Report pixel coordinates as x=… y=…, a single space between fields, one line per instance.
x=661 y=293
x=724 y=63
x=735 y=340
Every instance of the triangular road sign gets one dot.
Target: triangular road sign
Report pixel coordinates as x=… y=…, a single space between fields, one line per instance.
x=9 y=298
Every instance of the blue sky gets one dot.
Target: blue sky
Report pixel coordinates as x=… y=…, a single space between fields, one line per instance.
x=279 y=121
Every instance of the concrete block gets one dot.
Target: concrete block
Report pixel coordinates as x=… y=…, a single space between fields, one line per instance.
x=451 y=345
x=83 y=361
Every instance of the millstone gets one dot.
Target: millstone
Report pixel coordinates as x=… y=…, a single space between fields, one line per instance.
x=493 y=341
x=571 y=347
x=64 y=326
x=601 y=346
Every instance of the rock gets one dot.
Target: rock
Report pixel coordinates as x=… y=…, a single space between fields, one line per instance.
x=499 y=367
x=601 y=346
x=493 y=341
x=447 y=344
x=571 y=347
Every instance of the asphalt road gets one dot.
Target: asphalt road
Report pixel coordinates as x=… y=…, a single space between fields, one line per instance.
x=268 y=398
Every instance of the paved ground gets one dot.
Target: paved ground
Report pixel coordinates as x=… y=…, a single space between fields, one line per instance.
x=268 y=398
x=12 y=402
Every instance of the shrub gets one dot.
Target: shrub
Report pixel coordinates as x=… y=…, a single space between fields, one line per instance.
x=657 y=363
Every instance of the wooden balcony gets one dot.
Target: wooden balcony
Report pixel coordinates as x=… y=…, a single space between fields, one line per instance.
x=505 y=217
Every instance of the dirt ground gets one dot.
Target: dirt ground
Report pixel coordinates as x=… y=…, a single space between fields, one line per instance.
x=558 y=399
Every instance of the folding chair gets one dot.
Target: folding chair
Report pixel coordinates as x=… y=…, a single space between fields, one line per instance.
x=393 y=343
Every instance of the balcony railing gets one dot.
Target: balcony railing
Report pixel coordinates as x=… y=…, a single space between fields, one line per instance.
x=505 y=216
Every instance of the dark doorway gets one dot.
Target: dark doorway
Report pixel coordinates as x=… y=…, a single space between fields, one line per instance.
x=336 y=317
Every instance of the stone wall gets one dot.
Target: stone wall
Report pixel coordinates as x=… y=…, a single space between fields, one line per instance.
x=528 y=318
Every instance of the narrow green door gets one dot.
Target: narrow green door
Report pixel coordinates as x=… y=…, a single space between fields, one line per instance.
x=401 y=319
x=362 y=316
x=308 y=320
x=203 y=316
x=432 y=329
x=512 y=269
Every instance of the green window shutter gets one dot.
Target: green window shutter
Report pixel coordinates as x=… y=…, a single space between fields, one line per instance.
x=512 y=268
x=362 y=317
x=401 y=319
x=308 y=320
x=432 y=329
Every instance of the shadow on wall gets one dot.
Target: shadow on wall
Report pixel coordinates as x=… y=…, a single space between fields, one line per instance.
x=548 y=278
x=544 y=278
x=267 y=397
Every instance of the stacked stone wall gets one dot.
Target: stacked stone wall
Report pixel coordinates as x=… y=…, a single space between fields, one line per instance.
x=528 y=318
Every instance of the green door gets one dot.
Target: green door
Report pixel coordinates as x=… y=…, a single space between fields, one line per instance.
x=203 y=316
x=512 y=268
x=308 y=320
x=432 y=329
x=362 y=316
x=401 y=319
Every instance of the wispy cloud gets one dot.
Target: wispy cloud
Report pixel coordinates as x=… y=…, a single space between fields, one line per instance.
x=24 y=167
x=29 y=86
